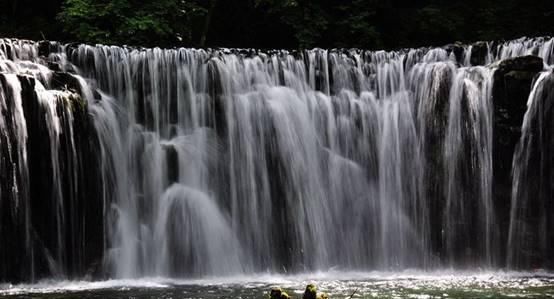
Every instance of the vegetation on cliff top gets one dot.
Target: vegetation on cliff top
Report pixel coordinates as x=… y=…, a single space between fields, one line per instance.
x=276 y=23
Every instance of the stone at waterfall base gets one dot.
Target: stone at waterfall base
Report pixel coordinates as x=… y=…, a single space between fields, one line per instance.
x=309 y=293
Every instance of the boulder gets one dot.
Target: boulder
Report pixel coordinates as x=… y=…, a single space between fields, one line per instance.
x=310 y=292
x=277 y=293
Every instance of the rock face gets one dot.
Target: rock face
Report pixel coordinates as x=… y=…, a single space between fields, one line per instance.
x=513 y=80
x=53 y=219
x=512 y=84
x=46 y=47
x=458 y=50
x=479 y=52
x=64 y=81
x=531 y=235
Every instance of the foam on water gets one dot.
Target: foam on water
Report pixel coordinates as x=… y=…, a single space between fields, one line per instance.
x=334 y=281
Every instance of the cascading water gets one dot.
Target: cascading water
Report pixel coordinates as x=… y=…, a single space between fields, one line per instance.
x=530 y=235
x=44 y=190
x=219 y=162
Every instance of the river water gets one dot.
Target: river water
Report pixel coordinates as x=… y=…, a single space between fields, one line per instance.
x=407 y=284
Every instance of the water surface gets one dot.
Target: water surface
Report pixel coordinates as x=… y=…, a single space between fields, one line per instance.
x=405 y=284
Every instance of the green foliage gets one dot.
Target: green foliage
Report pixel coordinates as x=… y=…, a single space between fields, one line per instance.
x=130 y=22
x=366 y=24
x=28 y=18
x=306 y=17
x=349 y=22
x=357 y=27
x=437 y=23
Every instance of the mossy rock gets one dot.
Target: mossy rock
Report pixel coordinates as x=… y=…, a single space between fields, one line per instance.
x=64 y=81
x=277 y=293
x=310 y=292
x=78 y=104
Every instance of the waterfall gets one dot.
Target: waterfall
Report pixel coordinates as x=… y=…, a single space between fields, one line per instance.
x=130 y=162
x=47 y=173
x=530 y=234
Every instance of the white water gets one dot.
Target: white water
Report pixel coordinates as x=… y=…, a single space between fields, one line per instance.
x=216 y=162
x=365 y=282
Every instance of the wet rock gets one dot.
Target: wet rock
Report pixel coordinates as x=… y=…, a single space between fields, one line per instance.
x=310 y=292
x=46 y=47
x=172 y=158
x=97 y=95
x=277 y=293
x=54 y=66
x=522 y=63
x=458 y=50
x=512 y=83
x=65 y=81
x=479 y=52
x=533 y=234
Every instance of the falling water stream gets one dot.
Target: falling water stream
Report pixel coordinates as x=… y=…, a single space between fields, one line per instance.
x=225 y=162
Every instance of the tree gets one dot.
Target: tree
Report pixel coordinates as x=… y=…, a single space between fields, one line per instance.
x=18 y=20
x=355 y=25
x=308 y=18
x=366 y=24
x=207 y=22
x=162 y=22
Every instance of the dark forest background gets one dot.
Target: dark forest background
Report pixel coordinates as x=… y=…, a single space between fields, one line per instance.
x=367 y=24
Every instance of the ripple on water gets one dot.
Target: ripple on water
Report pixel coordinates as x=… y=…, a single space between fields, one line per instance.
x=406 y=284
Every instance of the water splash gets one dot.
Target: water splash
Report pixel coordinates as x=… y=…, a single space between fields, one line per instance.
x=286 y=161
